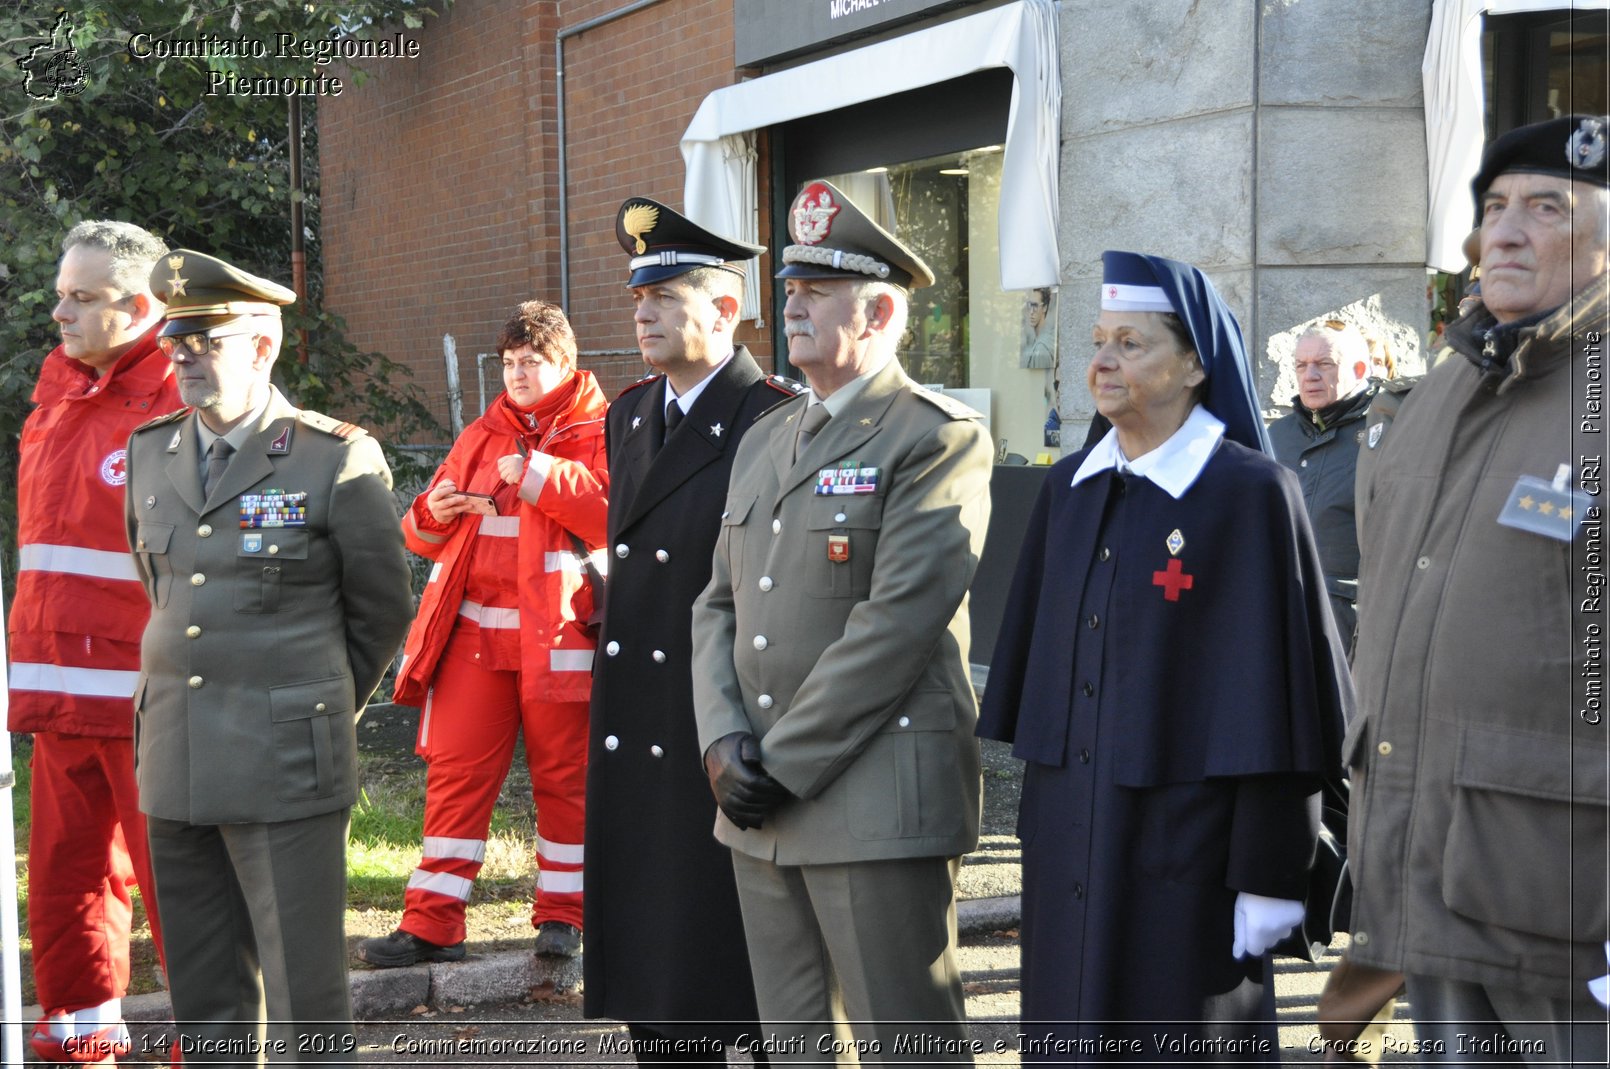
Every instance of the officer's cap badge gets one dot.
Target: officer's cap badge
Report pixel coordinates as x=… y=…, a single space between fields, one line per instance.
x=813 y=214
x=639 y=220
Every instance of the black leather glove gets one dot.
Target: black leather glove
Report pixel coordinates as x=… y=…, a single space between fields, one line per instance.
x=743 y=790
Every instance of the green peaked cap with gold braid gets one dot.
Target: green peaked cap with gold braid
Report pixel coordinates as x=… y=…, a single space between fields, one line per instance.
x=200 y=290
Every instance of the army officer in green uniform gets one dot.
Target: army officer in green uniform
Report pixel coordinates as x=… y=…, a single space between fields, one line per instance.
x=268 y=542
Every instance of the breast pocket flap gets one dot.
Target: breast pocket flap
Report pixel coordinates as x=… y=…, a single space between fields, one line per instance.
x=152 y=537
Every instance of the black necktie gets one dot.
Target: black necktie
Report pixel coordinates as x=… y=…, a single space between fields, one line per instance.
x=217 y=461
x=673 y=417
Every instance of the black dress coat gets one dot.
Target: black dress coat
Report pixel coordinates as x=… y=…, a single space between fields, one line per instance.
x=1172 y=746
x=665 y=939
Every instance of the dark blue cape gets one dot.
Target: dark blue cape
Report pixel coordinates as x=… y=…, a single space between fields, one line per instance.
x=1174 y=746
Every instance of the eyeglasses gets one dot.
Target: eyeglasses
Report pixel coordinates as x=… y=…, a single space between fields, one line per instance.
x=197 y=343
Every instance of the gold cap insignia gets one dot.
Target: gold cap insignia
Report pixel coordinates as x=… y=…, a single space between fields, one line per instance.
x=640 y=219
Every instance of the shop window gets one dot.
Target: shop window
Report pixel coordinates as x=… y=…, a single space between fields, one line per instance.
x=992 y=349
x=1545 y=64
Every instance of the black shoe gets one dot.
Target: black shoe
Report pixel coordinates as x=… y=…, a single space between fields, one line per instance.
x=402 y=948
x=556 y=939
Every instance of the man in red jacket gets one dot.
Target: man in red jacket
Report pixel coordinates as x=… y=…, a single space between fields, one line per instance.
x=75 y=636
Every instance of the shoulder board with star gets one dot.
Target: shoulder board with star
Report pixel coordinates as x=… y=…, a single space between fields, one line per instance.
x=948 y=405
x=162 y=421
x=320 y=422
x=646 y=380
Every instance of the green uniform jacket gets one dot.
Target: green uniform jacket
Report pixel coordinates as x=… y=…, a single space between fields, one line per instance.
x=853 y=672
x=264 y=642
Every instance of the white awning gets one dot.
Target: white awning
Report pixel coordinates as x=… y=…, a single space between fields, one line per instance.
x=720 y=190
x=1455 y=102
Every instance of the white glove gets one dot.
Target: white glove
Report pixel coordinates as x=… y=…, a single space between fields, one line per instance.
x=1600 y=988
x=1261 y=922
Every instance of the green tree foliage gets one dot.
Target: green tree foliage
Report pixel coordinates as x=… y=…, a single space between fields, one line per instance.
x=89 y=129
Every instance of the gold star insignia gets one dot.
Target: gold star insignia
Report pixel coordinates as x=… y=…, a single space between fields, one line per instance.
x=1546 y=508
x=1526 y=502
x=176 y=285
x=1565 y=513
x=866 y=423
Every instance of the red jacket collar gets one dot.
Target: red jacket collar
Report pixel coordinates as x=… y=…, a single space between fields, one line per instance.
x=140 y=370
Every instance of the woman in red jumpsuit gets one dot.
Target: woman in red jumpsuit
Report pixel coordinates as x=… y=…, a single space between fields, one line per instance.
x=500 y=644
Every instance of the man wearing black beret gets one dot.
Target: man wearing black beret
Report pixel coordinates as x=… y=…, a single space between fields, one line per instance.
x=1479 y=830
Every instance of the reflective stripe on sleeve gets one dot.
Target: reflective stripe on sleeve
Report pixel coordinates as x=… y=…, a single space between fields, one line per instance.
x=84 y=682
x=76 y=560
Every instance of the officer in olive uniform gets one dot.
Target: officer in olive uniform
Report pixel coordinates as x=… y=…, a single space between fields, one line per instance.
x=830 y=675
x=267 y=540
x=674 y=956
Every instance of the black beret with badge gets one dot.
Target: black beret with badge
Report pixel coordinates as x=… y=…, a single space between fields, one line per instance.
x=201 y=291
x=833 y=238
x=1571 y=147
x=663 y=243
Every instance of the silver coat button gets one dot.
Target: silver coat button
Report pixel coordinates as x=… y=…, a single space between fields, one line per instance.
x=613 y=648
x=320 y=708
x=272 y=550
x=764 y=701
x=205 y=530
x=776 y=526
x=662 y=556
x=197 y=579
x=839 y=517
x=659 y=656
x=193 y=631
x=765 y=582
x=905 y=721
x=760 y=642
x=611 y=742
x=656 y=751
x=622 y=550
x=195 y=682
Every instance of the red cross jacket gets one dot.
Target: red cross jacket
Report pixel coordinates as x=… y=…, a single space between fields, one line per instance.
x=565 y=490
x=79 y=608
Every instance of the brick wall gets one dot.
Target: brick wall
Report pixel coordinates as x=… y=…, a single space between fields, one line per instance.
x=440 y=175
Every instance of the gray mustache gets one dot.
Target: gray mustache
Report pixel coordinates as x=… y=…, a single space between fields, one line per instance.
x=802 y=329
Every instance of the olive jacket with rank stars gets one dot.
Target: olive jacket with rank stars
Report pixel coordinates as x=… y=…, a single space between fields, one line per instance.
x=264 y=641
x=649 y=806
x=835 y=626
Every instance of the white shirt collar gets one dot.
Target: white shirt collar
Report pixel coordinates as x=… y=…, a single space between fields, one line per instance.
x=1173 y=466
x=686 y=400
x=842 y=396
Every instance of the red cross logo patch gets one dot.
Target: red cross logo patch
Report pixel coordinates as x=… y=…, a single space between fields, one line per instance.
x=1173 y=580
x=115 y=469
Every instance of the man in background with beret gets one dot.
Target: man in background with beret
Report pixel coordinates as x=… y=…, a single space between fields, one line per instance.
x=830 y=678
x=75 y=636
x=675 y=957
x=268 y=542
x=1478 y=829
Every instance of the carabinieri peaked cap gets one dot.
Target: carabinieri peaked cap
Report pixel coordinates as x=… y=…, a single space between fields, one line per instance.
x=200 y=291
x=835 y=239
x=1572 y=146
x=1136 y=282
x=663 y=243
